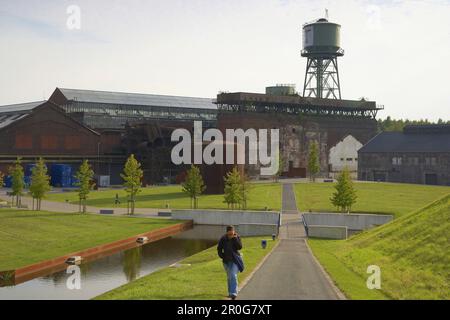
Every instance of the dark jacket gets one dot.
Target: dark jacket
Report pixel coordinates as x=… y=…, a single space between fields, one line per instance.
x=228 y=248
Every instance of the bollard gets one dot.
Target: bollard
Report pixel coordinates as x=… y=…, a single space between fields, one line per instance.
x=263 y=244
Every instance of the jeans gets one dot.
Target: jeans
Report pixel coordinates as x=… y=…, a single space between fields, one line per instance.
x=232 y=276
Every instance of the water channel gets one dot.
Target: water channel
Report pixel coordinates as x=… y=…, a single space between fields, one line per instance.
x=107 y=273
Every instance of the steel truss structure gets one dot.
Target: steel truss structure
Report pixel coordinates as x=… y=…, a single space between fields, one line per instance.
x=322 y=78
x=296 y=105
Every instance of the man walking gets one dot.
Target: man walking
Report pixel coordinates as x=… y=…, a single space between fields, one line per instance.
x=228 y=249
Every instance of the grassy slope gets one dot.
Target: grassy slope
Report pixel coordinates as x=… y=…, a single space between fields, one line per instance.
x=413 y=253
x=204 y=279
x=261 y=195
x=391 y=198
x=28 y=237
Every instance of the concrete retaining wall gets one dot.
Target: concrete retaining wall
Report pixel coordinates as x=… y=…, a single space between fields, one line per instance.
x=327 y=232
x=227 y=217
x=247 y=223
x=253 y=230
x=351 y=221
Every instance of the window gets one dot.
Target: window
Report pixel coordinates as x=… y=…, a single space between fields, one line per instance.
x=72 y=142
x=414 y=161
x=49 y=142
x=24 y=141
x=431 y=161
x=397 y=161
x=350 y=159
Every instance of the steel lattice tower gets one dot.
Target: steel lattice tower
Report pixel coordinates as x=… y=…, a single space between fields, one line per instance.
x=321 y=45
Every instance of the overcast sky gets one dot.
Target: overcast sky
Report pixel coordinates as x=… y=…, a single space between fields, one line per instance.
x=396 y=52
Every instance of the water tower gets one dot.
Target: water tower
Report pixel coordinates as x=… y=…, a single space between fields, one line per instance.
x=322 y=47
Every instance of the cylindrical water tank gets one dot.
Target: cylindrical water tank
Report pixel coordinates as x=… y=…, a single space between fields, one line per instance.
x=321 y=37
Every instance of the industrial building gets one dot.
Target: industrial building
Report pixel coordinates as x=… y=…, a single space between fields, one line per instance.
x=339 y=127
x=82 y=124
x=331 y=123
x=105 y=127
x=419 y=154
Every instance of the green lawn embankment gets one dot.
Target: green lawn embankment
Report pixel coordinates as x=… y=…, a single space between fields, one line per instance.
x=261 y=196
x=387 y=198
x=413 y=253
x=28 y=237
x=204 y=278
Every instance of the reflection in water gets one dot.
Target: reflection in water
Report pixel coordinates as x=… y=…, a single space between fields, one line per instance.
x=132 y=263
x=110 y=272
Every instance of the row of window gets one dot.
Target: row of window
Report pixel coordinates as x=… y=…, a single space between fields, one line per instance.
x=398 y=161
x=48 y=142
x=142 y=111
x=349 y=159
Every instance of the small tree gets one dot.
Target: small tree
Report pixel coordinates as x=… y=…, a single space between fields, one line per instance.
x=132 y=176
x=313 y=160
x=40 y=183
x=17 y=182
x=345 y=196
x=2 y=176
x=245 y=190
x=233 y=188
x=279 y=172
x=84 y=177
x=193 y=185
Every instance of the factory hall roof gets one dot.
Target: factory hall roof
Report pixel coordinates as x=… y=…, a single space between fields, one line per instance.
x=20 y=107
x=14 y=112
x=406 y=142
x=137 y=99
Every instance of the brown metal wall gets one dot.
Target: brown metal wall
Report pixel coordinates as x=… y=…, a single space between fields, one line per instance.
x=48 y=131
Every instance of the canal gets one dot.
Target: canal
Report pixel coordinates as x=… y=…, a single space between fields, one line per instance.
x=107 y=273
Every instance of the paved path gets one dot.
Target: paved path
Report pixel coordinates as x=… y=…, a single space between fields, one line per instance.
x=290 y=272
x=288 y=199
x=54 y=206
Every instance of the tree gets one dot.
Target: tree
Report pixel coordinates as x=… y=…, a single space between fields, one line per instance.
x=279 y=172
x=40 y=183
x=345 y=195
x=245 y=190
x=2 y=176
x=17 y=182
x=390 y=124
x=132 y=176
x=193 y=185
x=233 y=188
x=84 y=177
x=313 y=160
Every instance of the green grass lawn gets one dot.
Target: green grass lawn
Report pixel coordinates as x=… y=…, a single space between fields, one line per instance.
x=203 y=279
x=261 y=196
x=28 y=237
x=388 y=198
x=413 y=253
